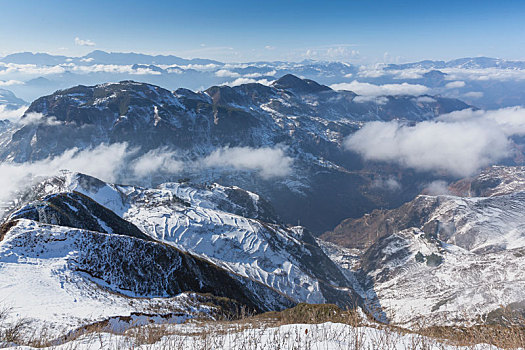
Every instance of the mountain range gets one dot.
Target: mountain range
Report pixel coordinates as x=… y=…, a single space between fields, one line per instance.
x=482 y=81
x=316 y=182
x=245 y=199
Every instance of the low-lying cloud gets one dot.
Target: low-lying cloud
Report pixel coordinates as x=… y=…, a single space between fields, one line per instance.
x=389 y=184
x=459 y=143
x=473 y=94
x=367 y=89
x=455 y=84
x=224 y=73
x=119 y=162
x=436 y=188
x=11 y=82
x=267 y=162
x=12 y=115
x=157 y=161
x=35 y=118
x=104 y=162
x=241 y=81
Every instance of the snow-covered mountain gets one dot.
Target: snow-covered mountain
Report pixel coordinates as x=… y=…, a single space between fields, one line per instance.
x=308 y=120
x=94 y=239
x=250 y=114
x=63 y=278
x=438 y=259
x=466 y=62
x=447 y=258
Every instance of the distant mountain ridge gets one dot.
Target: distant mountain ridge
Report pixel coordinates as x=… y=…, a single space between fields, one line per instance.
x=466 y=62
x=10 y=101
x=102 y=57
x=486 y=82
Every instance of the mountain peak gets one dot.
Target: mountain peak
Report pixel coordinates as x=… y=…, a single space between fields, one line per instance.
x=292 y=82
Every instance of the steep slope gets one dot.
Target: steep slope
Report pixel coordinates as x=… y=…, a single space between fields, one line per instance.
x=447 y=258
x=307 y=120
x=492 y=181
x=54 y=275
x=77 y=210
x=192 y=219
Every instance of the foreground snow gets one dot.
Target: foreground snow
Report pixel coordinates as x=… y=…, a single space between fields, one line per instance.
x=329 y=336
x=41 y=280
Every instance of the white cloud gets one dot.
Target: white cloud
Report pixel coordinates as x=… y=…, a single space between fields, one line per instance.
x=109 y=68
x=157 y=161
x=367 y=89
x=11 y=114
x=34 y=70
x=241 y=81
x=258 y=75
x=82 y=42
x=473 y=94
x=34 y=118
x=380 y=100
x=10 y=82
x=458 y=143
x=425 y=99
x=103 y=162
x=268 y=162
x=389 y=184
x=269 y=47
x=30 y=69
x=407 y=74
x=224 y=73
x=374 y=71
x=510 y=120
x=200 y=67
x=455 y=84
x=118 y=162
x=436 y=188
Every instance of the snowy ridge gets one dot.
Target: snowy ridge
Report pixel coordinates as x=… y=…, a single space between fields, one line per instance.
x=447 y=259
x=40 y=280
x=189 y=218
x=492 y=181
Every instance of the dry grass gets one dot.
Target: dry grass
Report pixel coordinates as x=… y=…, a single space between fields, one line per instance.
x=506 y=337
x=247 y=332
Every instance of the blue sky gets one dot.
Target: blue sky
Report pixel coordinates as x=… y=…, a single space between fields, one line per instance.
x=351 y=30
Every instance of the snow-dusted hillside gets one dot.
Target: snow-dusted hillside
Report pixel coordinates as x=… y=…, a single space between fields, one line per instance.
x=193 y=219
x=492 y=181
x=62 y=278
x=449 y=259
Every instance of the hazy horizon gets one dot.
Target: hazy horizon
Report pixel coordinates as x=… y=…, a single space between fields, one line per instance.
x=234 y=31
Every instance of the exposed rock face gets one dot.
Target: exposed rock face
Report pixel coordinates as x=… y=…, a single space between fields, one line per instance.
x=492 y=181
